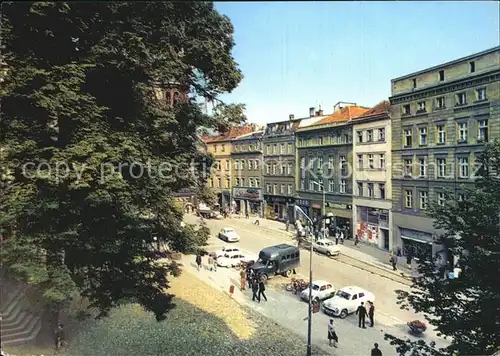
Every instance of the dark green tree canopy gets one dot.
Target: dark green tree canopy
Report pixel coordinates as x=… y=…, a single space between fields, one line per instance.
x=91 y=152
x=467 y=308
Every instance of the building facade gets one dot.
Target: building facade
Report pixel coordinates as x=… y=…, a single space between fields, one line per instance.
x=372 y=189
x=246 y=173
x=442 y=117
x=220 y=147
x=324 y=161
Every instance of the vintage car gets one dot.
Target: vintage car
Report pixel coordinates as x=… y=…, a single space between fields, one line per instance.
x=229 y=235
x=321 y=290
x=346 y=301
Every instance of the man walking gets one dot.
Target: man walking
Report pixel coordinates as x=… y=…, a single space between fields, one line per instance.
x=243 y=276
x=255 y=290
x=60 y=338
x=376 y=351
x=394 y=261
x=198 y=261
x=371 y=312
x=361 y=313
x=262 y=289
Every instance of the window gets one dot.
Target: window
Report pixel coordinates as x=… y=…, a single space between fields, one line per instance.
x=282 y=169
x=440 y=102
x=369 y=135
x=268 y=188
x=223 y=148
x=343 y=186
x=381 y=134
x=275 y=149
x=422 y=167
x=236 y=165
x=360 y=161
x=472 y=67
x=441 y=198
x=228 y=182
x=257 y=182
x=319 y=162
x=423 y=136
x=331 y=185
x=268 y=168
x=227 y=165
x=290 y=149
x=256 y=164
x=408 y=167
x=423 y=200
x=250 y=182
x=289 y=169
x=268 y=149
x=370 y=161
x=441 y=134
x=301 y=142
x=408 y=137
x=370 y=190
x=290 y=189
x=342 y=164
x=381 y=188
x=282 y=149
x=250 y=164
x=461 y=99
x=482 y=134
x=330 y=162
x=311 y=185
x=242 y=182
x=462 y=131
x=408 y=199
x=414 y=82
x=441 y=167
x=237 y=182
x=381 y=159
x=421 y=106
x=360 y=136
x=320 y=140
x=463 y=167
x=275 y=168
x=215 y=148
x=345 y=138
x=302 y=162
x=282 y=189
x=360 y=189
x=321 y=185
x=406 y=109
x=441 y=75
x=302 y=184
x=481 y=94
x=218 y=182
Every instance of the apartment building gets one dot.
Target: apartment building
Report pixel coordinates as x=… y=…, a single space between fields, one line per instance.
x=220 y=147
x=279 y=164
x=442 y=117
x=246 y=173
x=324 y=156
x=372 y=190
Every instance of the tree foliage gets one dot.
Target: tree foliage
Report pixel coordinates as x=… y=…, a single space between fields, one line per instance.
x=92 y=154
x=465 y=309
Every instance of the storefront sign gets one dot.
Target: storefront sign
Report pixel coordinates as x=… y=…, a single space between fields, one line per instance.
x=416 y=235
x=273 y=199
x=316 y=206
x=340 y=206
x=302 y=202
x=247 y=193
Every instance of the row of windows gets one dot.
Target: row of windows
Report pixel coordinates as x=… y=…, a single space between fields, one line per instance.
x=280 y=169
x=464 y=168
x=371 y=161
x=217 y=165
x=318 y=162
x=371 y=190
x=252 y=182
x=273 y=189
x=472 y=69
x=423 y=199
x=319 y=186
x=247 y=147
x=282 y=149
x=217 y=183
x=253 y=164
x=463 y=133
x=222 y=148
x=337 y=139
x=440 y=102
x=370 y=135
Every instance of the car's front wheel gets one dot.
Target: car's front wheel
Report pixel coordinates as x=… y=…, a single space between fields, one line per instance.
x=343 y=314
x=328 y=253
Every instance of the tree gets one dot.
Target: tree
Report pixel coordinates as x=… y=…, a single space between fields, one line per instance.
x=93 y=153
x=467 y=308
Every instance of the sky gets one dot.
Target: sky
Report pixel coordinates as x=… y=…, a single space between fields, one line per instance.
x=295 y=55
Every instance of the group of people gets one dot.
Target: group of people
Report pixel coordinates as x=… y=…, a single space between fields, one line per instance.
x=212 y=263
x=333 y=338
x=255 y=283
x=363 y=311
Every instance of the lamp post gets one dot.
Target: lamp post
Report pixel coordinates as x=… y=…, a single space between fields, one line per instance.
x=321 y=184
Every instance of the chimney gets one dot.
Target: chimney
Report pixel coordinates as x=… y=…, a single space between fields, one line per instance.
x=311 y=112
x=291 y=116
x=320 y=111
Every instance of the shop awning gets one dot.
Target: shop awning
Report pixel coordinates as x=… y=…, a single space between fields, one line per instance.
x=417 y=240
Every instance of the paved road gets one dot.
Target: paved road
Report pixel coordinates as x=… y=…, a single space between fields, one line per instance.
x=340 y=274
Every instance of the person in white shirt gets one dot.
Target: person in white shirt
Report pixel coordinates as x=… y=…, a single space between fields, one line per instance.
x=332 y=335
x=342 y=238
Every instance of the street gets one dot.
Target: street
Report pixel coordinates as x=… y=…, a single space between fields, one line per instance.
x=286 y=308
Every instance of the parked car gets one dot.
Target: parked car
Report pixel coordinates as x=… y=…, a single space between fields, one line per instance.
x=225 y=250
x=321 y=290
x=229 y=235
x=346 y=301
x=232 y=259
x=327 y=247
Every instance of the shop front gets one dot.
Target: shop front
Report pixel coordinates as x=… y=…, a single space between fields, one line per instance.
x=248 y=200
x=372 y=226
x=342 y=217
x=316 y=213
x=305 y=206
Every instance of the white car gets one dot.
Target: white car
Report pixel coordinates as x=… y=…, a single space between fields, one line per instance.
x=228 y=234
x=231 y=259
x=346 y=301
x=225 y=250
x=327 y=247
x=321 y=290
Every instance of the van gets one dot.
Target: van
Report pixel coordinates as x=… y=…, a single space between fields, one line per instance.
x=280 y=259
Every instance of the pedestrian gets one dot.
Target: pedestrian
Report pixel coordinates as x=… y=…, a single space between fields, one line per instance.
x=198 y=261
x=394 y=261
x=356 y=240
x=250 y=274
x=409 y=258
x=262 y=289
x=59 y=336
x=361 y=313
x=376 y=351
x=214 y=264
x=255 y=290
x=332 y=335
x=342 y=238
x=243 y=276
x=371 y=312
x=247 y=216
x=337 y=237
x=287 y=225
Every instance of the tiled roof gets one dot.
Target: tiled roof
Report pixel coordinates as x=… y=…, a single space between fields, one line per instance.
x=251 y=135
x=344 y=114
x=232 y=133
x=384 y=107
